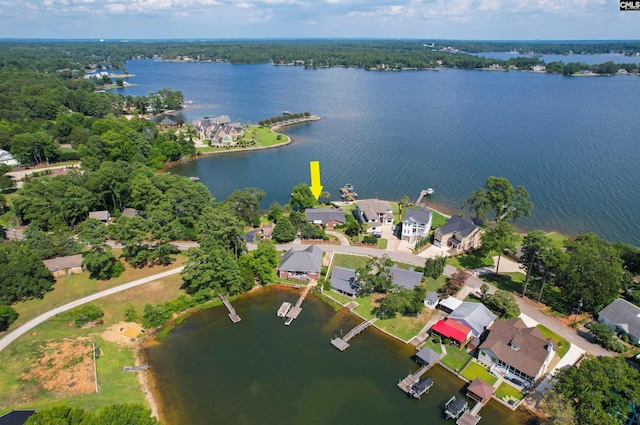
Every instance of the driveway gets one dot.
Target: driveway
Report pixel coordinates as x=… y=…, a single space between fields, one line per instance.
x=342 y=238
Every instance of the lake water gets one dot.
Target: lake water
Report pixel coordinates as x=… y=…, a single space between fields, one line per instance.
x=573 y=143
x=259 y=371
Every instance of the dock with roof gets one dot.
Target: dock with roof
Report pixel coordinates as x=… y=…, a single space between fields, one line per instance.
x=413 y=384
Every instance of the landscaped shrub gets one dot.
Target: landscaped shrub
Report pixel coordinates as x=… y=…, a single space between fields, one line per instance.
x=7 y=316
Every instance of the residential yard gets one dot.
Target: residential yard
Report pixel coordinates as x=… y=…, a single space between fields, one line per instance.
x=506 y=281
x=434 y=346
x=456 y=358
x=473 y=260
x=476 y=370
x=69 y=288
x=438 y=220
x=115 y=387
x=434 y=284
x=562 y=345
x=507 y=390
x=349 y=261
x=403 y=327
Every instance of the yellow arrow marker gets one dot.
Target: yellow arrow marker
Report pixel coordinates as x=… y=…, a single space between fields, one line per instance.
x=316 y=187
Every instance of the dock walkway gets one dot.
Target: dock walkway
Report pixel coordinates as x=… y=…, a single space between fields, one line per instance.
x=235 y=318
x=470 y=417
x=343 y=343
x=406 y=383
x=294 y=311
x=135 y=368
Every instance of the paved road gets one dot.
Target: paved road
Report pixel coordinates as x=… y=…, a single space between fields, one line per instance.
x=21 y=330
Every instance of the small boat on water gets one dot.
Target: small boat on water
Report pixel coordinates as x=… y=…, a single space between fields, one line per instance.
x=455 y=407
x=194 y=178
x=430 y=191
x=348 y=193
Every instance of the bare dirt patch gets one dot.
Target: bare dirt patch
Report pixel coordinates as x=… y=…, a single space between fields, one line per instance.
x=65 y=368
x=123 y=334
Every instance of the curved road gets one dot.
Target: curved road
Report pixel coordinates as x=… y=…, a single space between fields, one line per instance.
x=21 y=330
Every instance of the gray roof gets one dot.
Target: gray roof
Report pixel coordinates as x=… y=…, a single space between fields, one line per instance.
x=130 y=212
x=464 y=225
x=325 y=215
x=308 y=261
x=427 y=355
x=474 y=315
x=100 y=215
x=344 y=280
x=418 y=216
x=372 y=207
x=62 y=263
x=406 y=278
x=16 y=417
x=624 y=315
x=432 y=298
x=167 y=121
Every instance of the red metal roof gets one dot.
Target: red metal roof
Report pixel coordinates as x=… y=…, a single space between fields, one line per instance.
x=452 y=329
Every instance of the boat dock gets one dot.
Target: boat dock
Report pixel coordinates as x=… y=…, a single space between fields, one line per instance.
x=294 y=311
x=235 y=318
x=470 y=417
x=135 y=368
x=424 y=193
x=343 y=343
x=284 y=309
x=412 y=378
x=348 y=193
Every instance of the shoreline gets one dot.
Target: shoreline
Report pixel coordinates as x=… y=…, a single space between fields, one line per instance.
x=148 y=384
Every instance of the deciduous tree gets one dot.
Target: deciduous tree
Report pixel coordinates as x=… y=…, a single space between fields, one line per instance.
x=499 y=239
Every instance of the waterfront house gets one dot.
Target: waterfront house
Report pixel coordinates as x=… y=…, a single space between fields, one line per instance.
x=100 y=215
x=432 y=300
x=301 y=265
x=416 y=224
x=453 y=330
x=327 y=217
x=407 y=279
x=61 y=266
x=459 y=234
x=373 y=211
x=622 y=316
x=474 y=315
x=168 y=123
x=7 y=159
x=343 y=280
x=218 y=130
x=517 y=352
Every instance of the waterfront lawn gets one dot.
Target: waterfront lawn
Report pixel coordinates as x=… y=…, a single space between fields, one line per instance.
x=338 y=297
x=506 y=281
x=69 y=288
x=456 y=358
x=437 y=347
x=349 y=261
x=115 y=386
x=557 y=239
x=473 y=260
x=476 y=370
x=506 y=389
x=438 y=220
x=562 y=345
x=263 y=136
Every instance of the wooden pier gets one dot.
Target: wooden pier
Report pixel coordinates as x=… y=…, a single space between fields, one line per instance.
x=284 y=309
x=408 y=382
x=470 y=417
x=135 y=368
x=424 y=193
x=235 y=318
x=294 y=311
x=343 y=343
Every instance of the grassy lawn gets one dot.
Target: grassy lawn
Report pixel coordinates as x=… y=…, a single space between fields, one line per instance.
x=506 y=281
x=263 y=136
x=562 y=344
x=557 y=239
x=438 y=220
x=349 y=261
x=456 y=358
x=434 y=346
x=508 y=390
x=404 y=327
x=115 y=386
x=476 y=370
x=434 y=284
x=473 y=260
x=69 y=288
x=8 y=219
x=342 y=299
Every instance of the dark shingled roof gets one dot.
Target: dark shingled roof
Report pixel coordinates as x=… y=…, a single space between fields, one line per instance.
x=344 y=280
x=532 y=347
x=464 y=225
x=408 y=279
x=308 y=261
x=481 y=389
x=325 y=215
x=427 y=355
x=100 y=215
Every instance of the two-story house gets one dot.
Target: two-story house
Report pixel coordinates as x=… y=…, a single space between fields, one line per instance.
x=459 y=234
x=416 y=224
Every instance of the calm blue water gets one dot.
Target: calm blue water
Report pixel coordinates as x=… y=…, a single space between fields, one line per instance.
x=572 y=142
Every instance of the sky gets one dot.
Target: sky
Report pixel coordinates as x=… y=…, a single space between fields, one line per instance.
x=219 y=19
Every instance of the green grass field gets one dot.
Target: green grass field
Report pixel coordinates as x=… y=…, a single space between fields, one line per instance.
x=476 y=370
x=456 y=358
x=562 y=345
x=508 y=390
x=349 y=261
x=474 y=260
